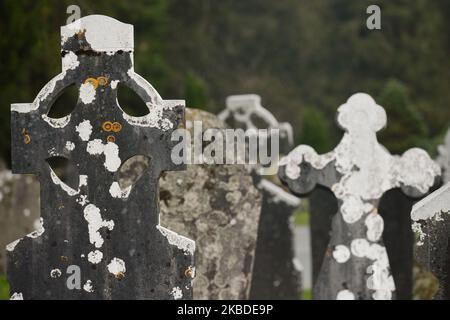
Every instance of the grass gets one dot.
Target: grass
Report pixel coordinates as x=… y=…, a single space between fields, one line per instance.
x=306 y=294
x=301 y=217
x=4 y=288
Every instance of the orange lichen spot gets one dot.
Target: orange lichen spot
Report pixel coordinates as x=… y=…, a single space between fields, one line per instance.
x=26 y=138
x=120 y=275
x=111 y=138
x=103 y=81
x=107 y=126
x=116 y=127
x=189 y=272
x=64 y=258
x=92 y=81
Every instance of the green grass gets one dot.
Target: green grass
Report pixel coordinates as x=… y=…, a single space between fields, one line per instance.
x=4 y=288
x=301 y=218
x=306 y=294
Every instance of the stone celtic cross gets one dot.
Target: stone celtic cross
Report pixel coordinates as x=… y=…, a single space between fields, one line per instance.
x=276 y=271
x=358 y=171
x=97 y=240
x=246 y=112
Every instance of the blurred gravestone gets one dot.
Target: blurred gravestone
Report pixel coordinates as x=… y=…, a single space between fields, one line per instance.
x=218 y=207
x=96 y=240
x=431 y=222
x=276 y=272
x=444 y=157
x=358 y=171
x=19 y=208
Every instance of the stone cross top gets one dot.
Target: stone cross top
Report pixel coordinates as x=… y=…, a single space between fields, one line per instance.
x=245 y=111
x=358 y=171
x=276 y=271
x=97 y=240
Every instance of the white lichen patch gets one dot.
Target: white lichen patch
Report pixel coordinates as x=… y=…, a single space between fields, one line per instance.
x=117 y=267
x=110 y=150
x=70 y=146
x=117 y=192
x=114 y=84
x=70 y=61
x=95 y=257
x=183 y=243
x=10 y=247
x=82 y=200
x=341 y=253
x=88 y=287
x=154 y=119
x=176 y=293
x=39 y=226
x=55 y=273
x=345 y=295
x=102 y=33
x=375 y=225
x=87 y=93
x=69 y=190
x=84 y=130
x=16 y=296
x=417 y=229
x=57 y=122
x=95 y=223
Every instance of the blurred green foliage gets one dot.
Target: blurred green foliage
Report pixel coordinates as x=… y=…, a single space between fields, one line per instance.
x=315 y=130
x=294 y=53
x=301 y=217
x=4 y=288
x=195 y=92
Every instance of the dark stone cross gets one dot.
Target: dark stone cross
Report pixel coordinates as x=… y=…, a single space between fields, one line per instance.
x=358 y=171
x=96 y=240
x=276 y=271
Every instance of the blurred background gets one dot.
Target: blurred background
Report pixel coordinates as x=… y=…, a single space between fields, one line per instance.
x=303 y=57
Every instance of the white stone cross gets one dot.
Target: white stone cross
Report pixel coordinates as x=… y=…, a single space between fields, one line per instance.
x=358 y=171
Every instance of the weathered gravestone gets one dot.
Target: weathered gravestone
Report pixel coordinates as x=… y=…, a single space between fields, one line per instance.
x=358 y=171
x=217 y=206
x=431 y=223
x=19 y=200
x=276 y=272
x=96 y=240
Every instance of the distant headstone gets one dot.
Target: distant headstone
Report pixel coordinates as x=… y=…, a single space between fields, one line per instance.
x=19 y=209
x=219 y=207
x=96 y=240
x=276 y=272
x=358 y=171
x=431 y=223
x=444 y=157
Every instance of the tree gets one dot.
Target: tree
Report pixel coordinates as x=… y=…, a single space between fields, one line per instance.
x=315 y=130
x=406 y=127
